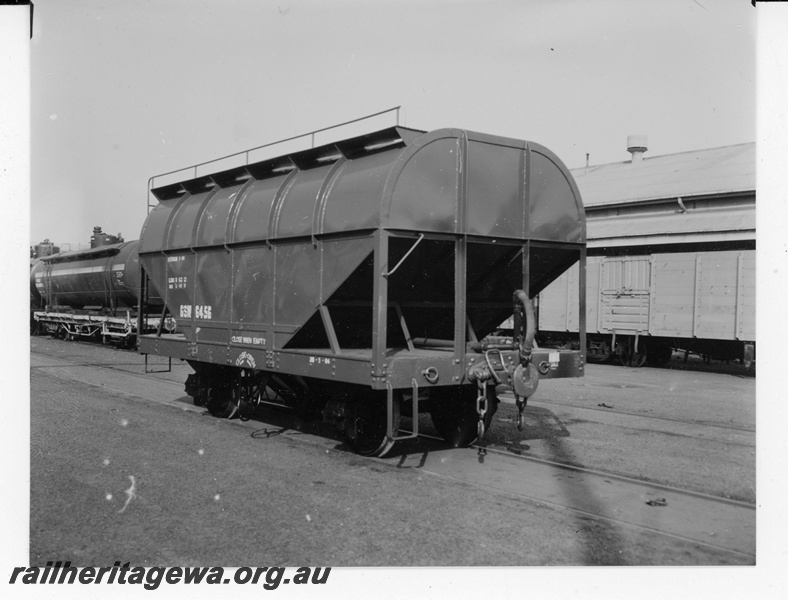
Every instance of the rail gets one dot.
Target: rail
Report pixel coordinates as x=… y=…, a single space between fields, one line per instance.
x=246 y=153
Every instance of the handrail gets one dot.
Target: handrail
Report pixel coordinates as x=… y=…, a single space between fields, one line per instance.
x=245 y=153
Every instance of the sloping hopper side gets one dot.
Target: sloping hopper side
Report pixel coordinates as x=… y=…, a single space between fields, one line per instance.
x=253 y=288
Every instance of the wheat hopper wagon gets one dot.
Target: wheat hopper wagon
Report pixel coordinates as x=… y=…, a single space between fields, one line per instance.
x=361 y=279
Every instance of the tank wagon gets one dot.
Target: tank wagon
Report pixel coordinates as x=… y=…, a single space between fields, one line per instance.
x=360 y=278
x=88 y=293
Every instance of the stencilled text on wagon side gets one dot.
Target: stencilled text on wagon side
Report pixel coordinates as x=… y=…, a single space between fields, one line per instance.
x=201 y=311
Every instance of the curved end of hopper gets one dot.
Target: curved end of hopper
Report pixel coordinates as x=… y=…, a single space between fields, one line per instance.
x=556 y=207
x=457 y=181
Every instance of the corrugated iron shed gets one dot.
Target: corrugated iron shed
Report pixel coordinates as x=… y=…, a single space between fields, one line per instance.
x=688 y=197
x=700 y=172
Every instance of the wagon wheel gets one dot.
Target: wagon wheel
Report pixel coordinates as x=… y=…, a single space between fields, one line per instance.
x=222 y=401
x=305 y=398
x=129 y=342
x=248 y=391
x=454 y=413
x=598 y=352
x=660 y=354
x=365 y=427
x=630 y=358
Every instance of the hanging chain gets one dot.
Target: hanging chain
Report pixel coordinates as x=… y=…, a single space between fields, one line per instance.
x=481 y=407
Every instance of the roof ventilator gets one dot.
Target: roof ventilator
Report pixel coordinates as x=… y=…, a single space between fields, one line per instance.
x=637 y=145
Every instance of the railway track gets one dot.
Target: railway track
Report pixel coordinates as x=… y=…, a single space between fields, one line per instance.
x=640 y=415
x=720 y=523
x=612 y=502
x=607 y=474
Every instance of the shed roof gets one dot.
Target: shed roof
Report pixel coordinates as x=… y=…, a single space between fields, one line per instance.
x=712 y=171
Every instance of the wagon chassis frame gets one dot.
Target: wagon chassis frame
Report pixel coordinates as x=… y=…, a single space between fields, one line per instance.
x=75 y=325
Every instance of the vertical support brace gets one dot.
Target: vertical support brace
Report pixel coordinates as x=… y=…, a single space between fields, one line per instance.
x=652 y=294
x=143 y=301
x=739 y=295
x=380 y=295
x=601 y=298
x=568 y=302
x=519 y=306
x=460 y=312
x=461 y=262
x=581 y=303
x=696 y=304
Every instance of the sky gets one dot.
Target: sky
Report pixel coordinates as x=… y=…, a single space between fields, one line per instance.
x=122 y=91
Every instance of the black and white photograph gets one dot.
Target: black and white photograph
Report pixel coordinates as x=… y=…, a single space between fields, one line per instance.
x=428 y=298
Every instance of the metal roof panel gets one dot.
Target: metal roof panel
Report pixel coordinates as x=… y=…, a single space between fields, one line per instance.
x=698 y=172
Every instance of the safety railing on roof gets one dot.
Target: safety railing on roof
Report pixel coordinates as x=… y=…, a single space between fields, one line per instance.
x=192 y=172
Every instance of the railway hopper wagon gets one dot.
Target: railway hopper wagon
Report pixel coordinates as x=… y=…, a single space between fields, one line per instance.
x=358 y=280
x=90 y=293
x=642 y=307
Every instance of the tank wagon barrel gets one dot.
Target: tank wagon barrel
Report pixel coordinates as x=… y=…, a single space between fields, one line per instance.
x=105 y=276
x=89 y=292
x=327 y=276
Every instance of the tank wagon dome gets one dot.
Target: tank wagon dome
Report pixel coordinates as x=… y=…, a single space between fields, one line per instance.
x=448 y=181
